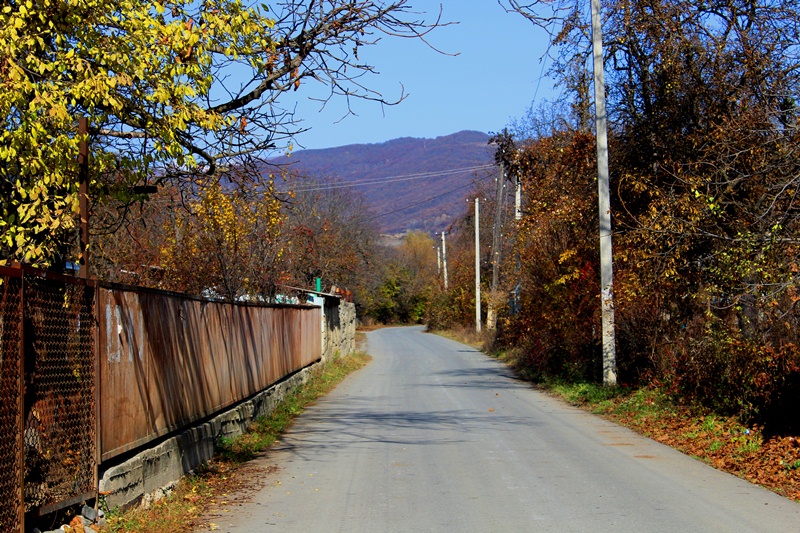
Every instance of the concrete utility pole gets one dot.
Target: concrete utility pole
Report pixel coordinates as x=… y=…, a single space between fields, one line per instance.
x=517 y=218
x=606 y=268
x=491 y=313
x=477 y=266
x=438 y=260
x=444 y=259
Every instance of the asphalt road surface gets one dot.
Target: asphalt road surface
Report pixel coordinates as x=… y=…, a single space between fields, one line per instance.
x=435 y=436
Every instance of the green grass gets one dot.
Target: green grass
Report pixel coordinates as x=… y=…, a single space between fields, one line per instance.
x=710 y=424
x=265 y=430
x=583 y=393
x=747 y=445
x=793 y=465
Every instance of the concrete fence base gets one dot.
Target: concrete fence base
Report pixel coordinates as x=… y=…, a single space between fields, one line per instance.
x=150 y=474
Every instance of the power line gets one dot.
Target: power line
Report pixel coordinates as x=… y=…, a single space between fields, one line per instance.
x=391 y=179
x=420 y=203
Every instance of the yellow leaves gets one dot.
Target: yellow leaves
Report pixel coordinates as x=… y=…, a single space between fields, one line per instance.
x=226 y=231
x=134 y=66
x=566 y=255
x=569 y=276
x=59 y=112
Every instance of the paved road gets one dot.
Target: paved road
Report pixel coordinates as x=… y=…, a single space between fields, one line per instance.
x=435 y=436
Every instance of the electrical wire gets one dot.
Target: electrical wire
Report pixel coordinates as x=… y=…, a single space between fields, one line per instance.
x=420 y=203
x=391 y=179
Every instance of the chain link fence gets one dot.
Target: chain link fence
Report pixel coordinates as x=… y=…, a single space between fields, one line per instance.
x=48 y=443
x=60 y=441
x=10 y=403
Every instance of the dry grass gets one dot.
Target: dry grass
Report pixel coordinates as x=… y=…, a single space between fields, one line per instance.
x=464 y=335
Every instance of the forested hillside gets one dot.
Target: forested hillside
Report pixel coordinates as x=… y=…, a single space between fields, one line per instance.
x=407 y=182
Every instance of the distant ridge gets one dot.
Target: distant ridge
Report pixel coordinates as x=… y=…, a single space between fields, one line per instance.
x=418 y=198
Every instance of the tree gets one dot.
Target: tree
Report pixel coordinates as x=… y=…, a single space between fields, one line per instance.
x=131 y=251
x=331 y=235
x=228 y=245
x=705 y=106
x=702 y=102
x=455 y=307
x=417 y=257
x=176 y=91
x=407 y=281
x=558 y=325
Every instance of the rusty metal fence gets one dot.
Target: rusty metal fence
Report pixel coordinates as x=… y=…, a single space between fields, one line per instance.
x=74 y=353
x=11 y=462
x=168 y=360
x=48 y=443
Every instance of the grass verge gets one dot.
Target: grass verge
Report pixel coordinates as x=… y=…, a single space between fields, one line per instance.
x=210 y=485
x=722 y=442
x=478 y=340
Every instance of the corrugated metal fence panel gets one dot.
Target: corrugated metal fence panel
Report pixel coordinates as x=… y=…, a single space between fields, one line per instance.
x=60 y=432
x=167 y=361
x=11 y=467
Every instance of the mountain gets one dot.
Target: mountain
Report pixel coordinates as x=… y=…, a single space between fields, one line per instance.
x=410 y=183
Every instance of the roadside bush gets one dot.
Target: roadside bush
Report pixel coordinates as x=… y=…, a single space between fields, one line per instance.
x=557 y=331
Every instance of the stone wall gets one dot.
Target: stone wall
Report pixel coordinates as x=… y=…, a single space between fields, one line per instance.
x=340 y=328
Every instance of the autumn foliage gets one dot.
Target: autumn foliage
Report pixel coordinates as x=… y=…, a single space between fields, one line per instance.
x=176 y=93
x=703 y=143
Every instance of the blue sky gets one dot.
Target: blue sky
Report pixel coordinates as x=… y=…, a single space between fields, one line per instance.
x=492 y=80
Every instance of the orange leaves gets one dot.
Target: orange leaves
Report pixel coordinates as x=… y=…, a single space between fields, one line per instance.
x=295 y=75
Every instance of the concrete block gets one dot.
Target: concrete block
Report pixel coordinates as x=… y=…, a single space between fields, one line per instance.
x=123 y=485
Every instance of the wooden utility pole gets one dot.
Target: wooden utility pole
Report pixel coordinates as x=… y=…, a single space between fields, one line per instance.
x=83 y=195
x=606 y=268
x=491 y=313
x=477 y=266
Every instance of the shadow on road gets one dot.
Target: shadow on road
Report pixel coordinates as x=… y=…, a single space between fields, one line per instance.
x=492 y=377
x=334 y=427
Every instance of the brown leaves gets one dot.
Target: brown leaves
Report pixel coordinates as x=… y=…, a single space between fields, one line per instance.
x=722 y=442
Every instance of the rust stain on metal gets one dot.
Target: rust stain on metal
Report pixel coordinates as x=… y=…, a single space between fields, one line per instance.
x=88 y=372
x=171 y=360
